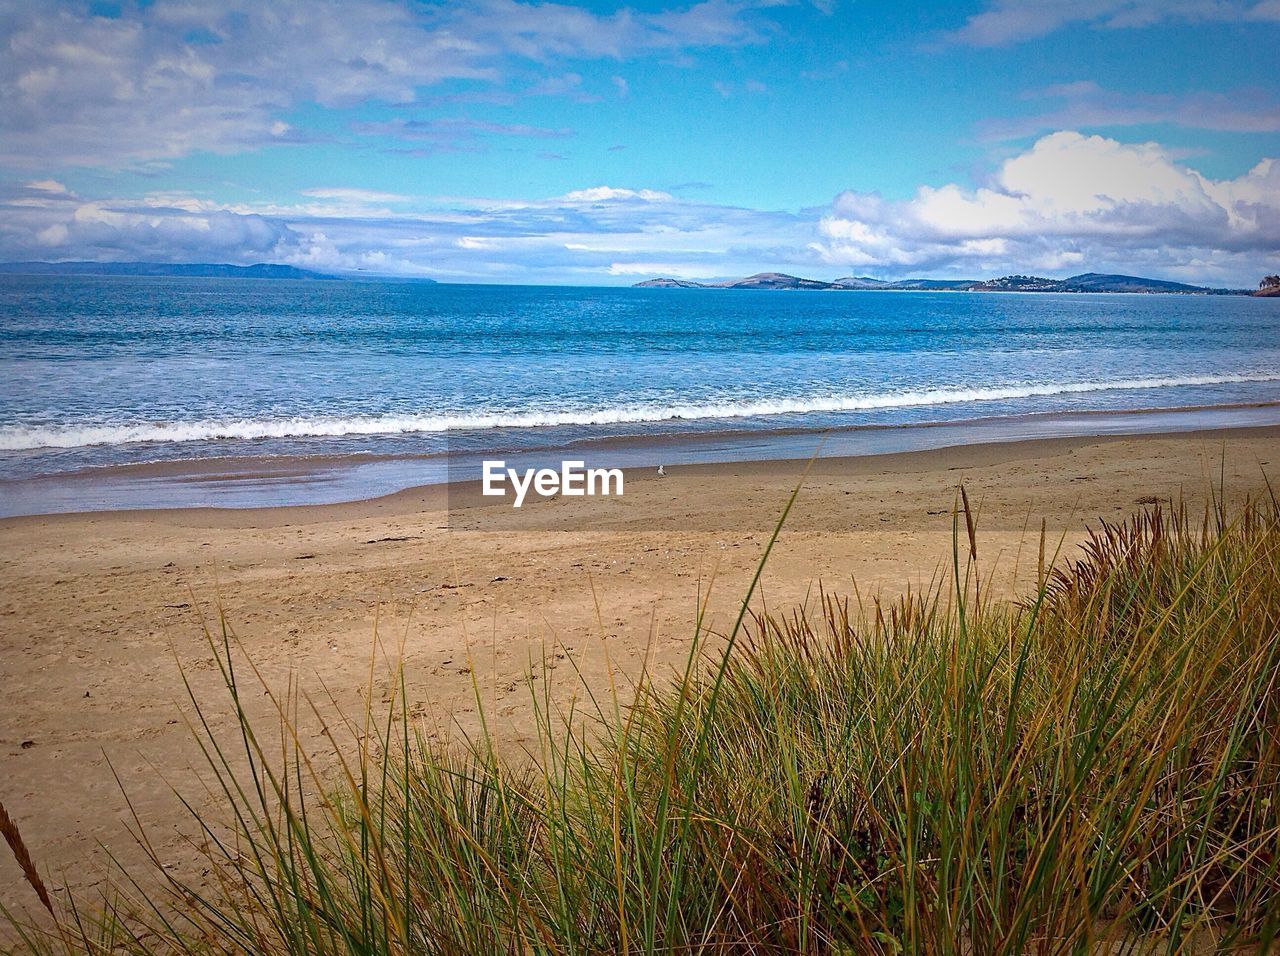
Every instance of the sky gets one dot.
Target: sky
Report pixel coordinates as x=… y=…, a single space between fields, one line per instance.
x=601 y=144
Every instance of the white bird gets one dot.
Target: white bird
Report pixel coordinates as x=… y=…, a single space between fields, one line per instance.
x=662 y=472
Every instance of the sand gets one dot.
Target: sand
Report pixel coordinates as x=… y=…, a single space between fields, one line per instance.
x=101 y=613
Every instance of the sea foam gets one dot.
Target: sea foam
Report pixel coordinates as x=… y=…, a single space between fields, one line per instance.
x=25 y=438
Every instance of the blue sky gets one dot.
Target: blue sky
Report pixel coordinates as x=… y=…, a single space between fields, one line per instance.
x=602 y=143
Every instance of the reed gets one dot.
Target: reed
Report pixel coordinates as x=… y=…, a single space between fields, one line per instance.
x=1095 y=768
x=17 y=846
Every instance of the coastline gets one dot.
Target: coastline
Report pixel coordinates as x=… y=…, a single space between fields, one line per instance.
x=264 y=482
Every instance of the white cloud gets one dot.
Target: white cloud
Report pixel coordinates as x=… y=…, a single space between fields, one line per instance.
x=1004 y=22
x=176 y=76
x=580 y=236
x=1070 y=200
x=48 y=186
x=1070 y=203
x=597 y=194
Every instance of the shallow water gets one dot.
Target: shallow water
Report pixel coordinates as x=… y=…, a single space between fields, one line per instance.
x=110 y=370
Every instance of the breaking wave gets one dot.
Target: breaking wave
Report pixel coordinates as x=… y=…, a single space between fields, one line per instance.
x=24 y=438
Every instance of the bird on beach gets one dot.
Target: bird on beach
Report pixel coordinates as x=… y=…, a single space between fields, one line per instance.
x=662 y=471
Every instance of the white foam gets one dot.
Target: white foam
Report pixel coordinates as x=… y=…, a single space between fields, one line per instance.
x=23 y=438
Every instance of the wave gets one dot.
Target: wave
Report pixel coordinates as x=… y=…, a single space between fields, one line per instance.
x=28 y=438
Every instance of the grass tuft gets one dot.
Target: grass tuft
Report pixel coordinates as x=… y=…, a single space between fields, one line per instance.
x=1095 y=768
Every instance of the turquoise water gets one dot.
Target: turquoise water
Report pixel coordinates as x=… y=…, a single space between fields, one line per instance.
x=100 y=371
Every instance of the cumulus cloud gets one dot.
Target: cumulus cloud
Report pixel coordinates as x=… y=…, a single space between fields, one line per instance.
x=175 y=76
x=106 y=231
x=1005 y=22
x=1070 y=202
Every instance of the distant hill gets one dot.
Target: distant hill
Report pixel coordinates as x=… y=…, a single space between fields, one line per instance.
x=864 y=282
x=1093 y=282
x=263 y=270
x=859 y=282
x=775 y=280
x=668 y=284
x=1086 y=282
x=1018 y=284
x=761 y=280
x=931 y=285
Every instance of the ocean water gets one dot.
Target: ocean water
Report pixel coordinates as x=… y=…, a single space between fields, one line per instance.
x=108 y=371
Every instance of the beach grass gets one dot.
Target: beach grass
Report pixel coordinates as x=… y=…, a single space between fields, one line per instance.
x=1093 y=768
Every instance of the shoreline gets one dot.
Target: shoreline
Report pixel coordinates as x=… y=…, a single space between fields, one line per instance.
x=463 y=496
x=295 y=481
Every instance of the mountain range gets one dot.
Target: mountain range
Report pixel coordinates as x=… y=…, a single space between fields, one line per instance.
x=1086 y=282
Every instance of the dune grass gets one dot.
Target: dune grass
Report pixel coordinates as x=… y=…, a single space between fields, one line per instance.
x=1093 y=769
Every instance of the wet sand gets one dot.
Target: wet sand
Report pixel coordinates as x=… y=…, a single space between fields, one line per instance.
x=98 y=612
x=252 y=478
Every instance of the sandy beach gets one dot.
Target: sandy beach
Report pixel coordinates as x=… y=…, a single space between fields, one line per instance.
x=101 y=611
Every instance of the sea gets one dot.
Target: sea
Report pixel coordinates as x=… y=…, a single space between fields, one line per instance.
x=157 y=392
